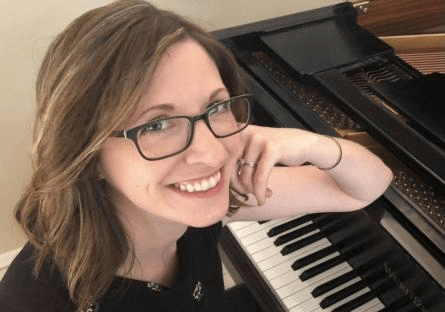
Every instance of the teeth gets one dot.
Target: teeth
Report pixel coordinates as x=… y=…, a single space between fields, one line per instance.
x=200 y=186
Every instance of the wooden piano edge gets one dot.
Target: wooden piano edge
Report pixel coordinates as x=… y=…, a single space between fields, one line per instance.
x=425 y=52
x=244 y=273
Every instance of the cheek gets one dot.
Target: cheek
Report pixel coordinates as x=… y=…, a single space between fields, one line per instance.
x=233 y=145
x=126 y=171
x=121 y=166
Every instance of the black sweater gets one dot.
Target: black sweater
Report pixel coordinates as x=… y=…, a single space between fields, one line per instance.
x=199 y=288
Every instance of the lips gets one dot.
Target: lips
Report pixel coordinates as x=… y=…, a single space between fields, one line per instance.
x=201 y=185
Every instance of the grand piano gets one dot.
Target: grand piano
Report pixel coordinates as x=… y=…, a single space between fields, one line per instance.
x=321 y=70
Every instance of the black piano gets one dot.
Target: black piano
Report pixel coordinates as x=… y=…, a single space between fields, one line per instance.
x=320 y=70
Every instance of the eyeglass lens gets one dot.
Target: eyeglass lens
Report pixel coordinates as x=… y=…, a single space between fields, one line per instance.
x=171 y=135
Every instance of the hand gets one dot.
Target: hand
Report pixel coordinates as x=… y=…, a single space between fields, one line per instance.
x=267 y=147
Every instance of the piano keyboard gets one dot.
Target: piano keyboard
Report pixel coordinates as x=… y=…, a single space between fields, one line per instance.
x=302 y=267
x=297 y=284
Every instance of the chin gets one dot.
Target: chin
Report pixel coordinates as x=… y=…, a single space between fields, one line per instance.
x=204 y=219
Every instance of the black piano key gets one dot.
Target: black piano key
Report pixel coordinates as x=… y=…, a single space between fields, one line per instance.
x=295 y=234
x=302 y=262
x=322 y=267
x=403 y=305
x=301 y=243
x=276 y=230
x=342 y=294
x=355 y=303
x=334 y=283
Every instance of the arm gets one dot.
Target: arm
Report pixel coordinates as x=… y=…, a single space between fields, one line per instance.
x=359 y=178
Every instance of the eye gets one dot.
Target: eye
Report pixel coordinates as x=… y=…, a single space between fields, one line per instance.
x=219 y=108
x=155 y=126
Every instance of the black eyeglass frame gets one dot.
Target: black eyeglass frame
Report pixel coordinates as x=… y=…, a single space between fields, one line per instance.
x=133 y=132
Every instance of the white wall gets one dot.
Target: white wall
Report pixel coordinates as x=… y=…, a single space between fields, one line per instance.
x=28 y=26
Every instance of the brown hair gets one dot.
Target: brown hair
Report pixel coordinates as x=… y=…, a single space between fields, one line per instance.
x=91 y=79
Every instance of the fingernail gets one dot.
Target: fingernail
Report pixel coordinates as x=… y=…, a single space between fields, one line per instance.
x=269 y=192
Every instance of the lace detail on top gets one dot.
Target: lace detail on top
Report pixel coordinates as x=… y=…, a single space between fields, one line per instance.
x=155 y=287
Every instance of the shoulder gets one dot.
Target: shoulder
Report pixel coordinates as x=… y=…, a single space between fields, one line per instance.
x=43 y=292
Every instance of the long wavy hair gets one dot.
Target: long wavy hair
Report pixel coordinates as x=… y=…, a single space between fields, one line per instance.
x=91 y=80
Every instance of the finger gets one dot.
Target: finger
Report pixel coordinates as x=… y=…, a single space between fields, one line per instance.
x=236 y=183
x=261 y=177
x=251 y=155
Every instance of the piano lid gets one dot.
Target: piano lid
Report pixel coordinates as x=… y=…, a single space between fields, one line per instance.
x=325 y=44
x=422 y=99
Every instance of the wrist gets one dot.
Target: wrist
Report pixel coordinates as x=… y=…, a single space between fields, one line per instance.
x=326 y=153
x=339 y=157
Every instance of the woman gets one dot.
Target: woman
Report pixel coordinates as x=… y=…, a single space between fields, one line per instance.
x=141 y=144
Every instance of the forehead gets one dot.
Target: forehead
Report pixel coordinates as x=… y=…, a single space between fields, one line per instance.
x=185 y=74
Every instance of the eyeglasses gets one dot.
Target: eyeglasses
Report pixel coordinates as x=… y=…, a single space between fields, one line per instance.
x=170 y=136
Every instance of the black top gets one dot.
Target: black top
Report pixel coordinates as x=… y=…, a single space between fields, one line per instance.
x=199 y=288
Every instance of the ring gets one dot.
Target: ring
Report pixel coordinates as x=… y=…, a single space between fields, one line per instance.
x=243 y=162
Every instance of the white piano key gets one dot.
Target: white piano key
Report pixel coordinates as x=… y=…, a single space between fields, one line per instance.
x=297 y=298
x=244 y=228
x=285 y=266
x=272 y=261
x=267 y=242
x=330 y=274
x=278 y=282
x=265 y=253
x=283 y=279
x=261 y=233
x=252 y=228
x=259 y=246
x=235 y=226
x=290 y=288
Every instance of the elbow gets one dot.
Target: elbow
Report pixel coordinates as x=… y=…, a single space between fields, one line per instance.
x=389 y=176
x=384 y=179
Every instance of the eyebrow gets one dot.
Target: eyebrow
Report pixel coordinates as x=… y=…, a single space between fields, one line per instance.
x=170 y=107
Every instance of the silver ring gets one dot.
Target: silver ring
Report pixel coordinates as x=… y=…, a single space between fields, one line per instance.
x=243 y=162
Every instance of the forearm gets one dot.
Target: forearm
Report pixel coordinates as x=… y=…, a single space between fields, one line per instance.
x=359 y=173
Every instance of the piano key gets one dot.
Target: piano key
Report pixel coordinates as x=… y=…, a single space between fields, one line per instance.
x=285 y=266
x=303 y=242
x=311 y=272
x=347 y=299
x=302 y=301
x=291 y=288
x=283 y=227
x=342 y=294
x=291 y=274
x=264 y=247
x=356 y=302
x=339 y=280
x=370 y=306
x=302 y=262
x=256 y=240
x=278 y=258
x=403 y=305
x=283 y=239
x=243 y=228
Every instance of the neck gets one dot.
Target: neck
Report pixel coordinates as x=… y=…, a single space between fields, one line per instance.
x=154 y=241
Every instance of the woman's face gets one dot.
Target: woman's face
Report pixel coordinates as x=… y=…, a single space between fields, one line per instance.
x=185 y=82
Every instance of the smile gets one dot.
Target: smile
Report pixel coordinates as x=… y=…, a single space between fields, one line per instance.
x=199 y=185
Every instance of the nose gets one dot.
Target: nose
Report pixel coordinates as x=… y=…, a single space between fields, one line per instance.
x=205 y=148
